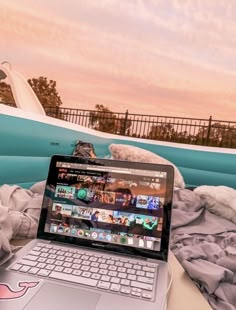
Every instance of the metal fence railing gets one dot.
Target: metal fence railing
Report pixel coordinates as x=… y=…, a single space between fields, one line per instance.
x=165 y=128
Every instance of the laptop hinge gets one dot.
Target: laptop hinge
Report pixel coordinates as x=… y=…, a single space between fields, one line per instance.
x=154 y=261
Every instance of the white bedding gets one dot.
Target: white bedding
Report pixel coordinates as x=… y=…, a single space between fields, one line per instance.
x=19 y=214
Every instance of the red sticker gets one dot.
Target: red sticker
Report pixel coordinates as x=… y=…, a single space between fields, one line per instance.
x=7 y=293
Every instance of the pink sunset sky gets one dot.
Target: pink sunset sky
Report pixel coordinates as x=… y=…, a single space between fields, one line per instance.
x=163 y=57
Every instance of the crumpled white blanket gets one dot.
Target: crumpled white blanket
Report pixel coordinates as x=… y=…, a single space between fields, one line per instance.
x=220 y=200
x=19 y=214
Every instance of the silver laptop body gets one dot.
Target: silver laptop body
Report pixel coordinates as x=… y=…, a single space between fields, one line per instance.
x=102 y=240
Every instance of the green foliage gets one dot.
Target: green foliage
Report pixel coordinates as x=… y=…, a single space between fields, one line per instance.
x=103 y=119
x=45 y=91
x=47 y=94
x=219 y=135
x=6 y=94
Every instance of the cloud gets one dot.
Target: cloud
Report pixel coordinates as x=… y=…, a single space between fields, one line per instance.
x=135 y=54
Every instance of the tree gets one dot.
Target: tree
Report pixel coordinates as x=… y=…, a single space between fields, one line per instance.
x=45 y=91
x=6 y=94
x=163 y=131
x=103 y=119
x=217 y=135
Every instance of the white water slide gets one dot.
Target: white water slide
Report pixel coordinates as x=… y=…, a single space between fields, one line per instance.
x=24 y=96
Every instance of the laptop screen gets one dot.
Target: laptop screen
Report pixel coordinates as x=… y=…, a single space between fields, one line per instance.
x=114 y=204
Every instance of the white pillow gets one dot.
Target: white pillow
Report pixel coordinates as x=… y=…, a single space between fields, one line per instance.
x=133 y=153
x=220 y=200
x=38 y=188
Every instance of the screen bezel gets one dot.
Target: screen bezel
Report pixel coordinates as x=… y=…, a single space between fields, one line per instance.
x=121 y=249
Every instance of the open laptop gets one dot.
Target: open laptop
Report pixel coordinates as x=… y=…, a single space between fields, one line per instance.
x=102 y=240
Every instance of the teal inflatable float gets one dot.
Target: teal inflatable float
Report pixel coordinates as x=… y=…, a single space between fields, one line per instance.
x=29 y=140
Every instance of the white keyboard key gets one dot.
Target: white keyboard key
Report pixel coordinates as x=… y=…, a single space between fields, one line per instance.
x=135 y=289
x=112 y=273
x=33 y=252
x=85 y=268
x=93 y=264
x=73 y=278
x=125 y=290
x=103 y=271
x=60 y=252
x=66 y=264
x=16 y=267
x=131 y=271
x=76 y=255
x=94 y=270
x=96 y=276
x=52 y=256
x=93 y=259
x=115 y=280
x=148 y=269
x=132 y=277
x=125 y=282
x=137 y=267
x=25 y=268
x=104 y=285
x=113 y=268
x=28 y=262
x=140 y=273
x=110 y=262
x=105 y=278
x=145 y=295
x=121 y=269
x=122 y=275
x=85 y=257
x=44 y=255
x=50 y=261
x=59 y=262
x=127 y=265
x=136 y=294
x=103 y=266
x=42 y=259
x=50 y=267
x=143 y=286
x=59 y=268
x=69 y=259
x=75 y=272
x=33 y=270
x=150 y=274
x=75 y=266
x=145 y=280
x=37 y=248
x=68 y=270
x=115 y=287
x=44 y=250
x=151 y=265
x=31 y=257
x=44 y=272
x=86 y=274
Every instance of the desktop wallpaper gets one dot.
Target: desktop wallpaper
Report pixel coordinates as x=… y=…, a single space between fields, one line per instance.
x=159 y=57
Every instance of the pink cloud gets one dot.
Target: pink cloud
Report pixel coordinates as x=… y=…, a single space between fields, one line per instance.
x=166 y=71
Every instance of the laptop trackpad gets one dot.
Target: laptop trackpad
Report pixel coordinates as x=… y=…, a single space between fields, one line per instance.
x=53 y=296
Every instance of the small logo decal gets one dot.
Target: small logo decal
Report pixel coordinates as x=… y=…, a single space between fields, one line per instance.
x=7 y=293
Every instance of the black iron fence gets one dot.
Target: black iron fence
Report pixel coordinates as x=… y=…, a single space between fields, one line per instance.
x=208 y=132
x=165 y=128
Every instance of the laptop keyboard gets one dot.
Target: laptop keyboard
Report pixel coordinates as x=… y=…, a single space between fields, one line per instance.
x=109 y=273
